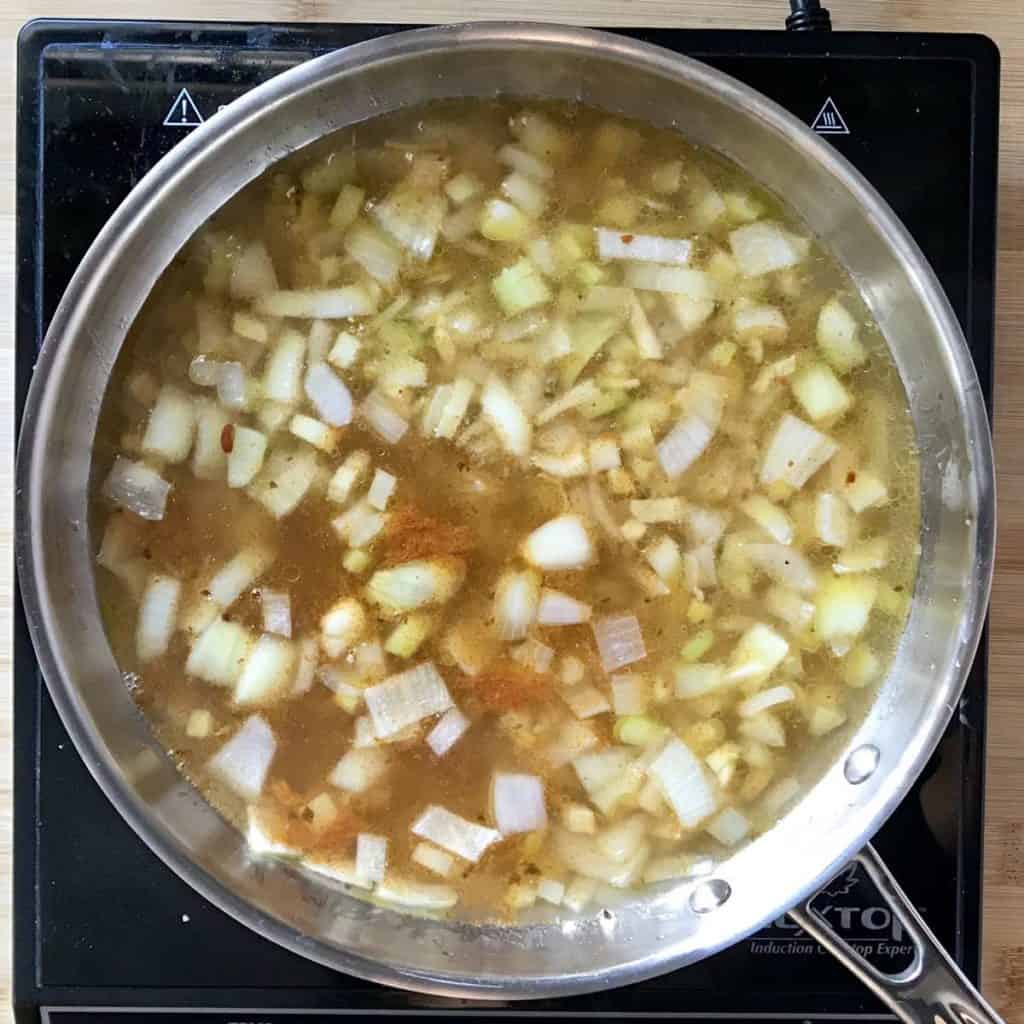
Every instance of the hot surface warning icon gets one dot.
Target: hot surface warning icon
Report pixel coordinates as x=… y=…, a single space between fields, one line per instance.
x=183 y=113
x=829 y=121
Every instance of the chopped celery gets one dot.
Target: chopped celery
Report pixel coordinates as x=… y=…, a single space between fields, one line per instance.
x=697 y=646
x=520 y=287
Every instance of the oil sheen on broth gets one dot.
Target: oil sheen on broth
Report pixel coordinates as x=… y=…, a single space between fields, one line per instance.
x=499 y=504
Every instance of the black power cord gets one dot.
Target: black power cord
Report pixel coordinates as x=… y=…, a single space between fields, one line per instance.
x=808 y=16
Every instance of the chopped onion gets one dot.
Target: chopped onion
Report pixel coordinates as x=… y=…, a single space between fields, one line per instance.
x=757 y=654
x=764 y=700
x=267 y=673
x=231 y=386
x=683 y=445
x=308 y=661
x=204 y=372
x=405 y=892
x=359 y=525
x=559 y=609
x=681 y=779
x=313 y=432
x=615 y=245
x=534 y=655
x=728 y=826
x=383 y=418
x=507 y=417
x=318 y=304
x=694 y=286
x=579 y=394
x=795 y=453
x=524 y=162
x=348 y=476
x=770 y=518
x=583 y=855
x=595 y=771
x=360 y=769
x=832 y=522
x=518 y=803
x=630 y=694
x=516 y=600
x=171 y=426
x=218 y=653
x=371 y=856
x=342 y=626
x=586 y=701
x=449 y=729
x=404 y=699
x=525 y=193
x=559 y=544
x=252 y=273
x=243 y=762
x=138 y=488
x=413 y=585
x=277 y=612
x=647 y=342
x=158 y=610
x=464 y=838
x=619 y=641
x=245 y=460
x=783 y=564
x=413 y=218
x=699 y=679
x=763 y=247
x=621 y=841
x=381 y=489
x=433 y=859
x=331 y=399
x=765 y=728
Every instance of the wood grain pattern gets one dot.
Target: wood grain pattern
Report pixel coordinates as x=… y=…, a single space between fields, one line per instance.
x=1003 y=20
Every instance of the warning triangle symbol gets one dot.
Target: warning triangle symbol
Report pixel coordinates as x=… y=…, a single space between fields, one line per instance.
x=183 y=112
x=829 y=121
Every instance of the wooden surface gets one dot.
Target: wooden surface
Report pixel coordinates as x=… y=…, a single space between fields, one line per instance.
x=1003 y=20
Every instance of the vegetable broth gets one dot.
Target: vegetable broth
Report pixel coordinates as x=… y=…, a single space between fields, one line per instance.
x=526 y=464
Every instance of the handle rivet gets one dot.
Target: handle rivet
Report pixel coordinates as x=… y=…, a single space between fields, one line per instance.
x=710 y=895
x=861 y=764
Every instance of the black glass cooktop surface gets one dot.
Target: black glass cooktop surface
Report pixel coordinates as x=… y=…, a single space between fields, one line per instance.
x=101 y=925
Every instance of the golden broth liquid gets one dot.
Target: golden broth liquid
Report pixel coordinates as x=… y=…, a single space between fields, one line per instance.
x=470 y=497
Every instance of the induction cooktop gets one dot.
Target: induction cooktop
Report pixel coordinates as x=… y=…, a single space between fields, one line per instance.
x=103 y=930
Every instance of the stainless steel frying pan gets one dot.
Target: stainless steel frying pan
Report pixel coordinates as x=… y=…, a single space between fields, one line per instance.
x=850 y=792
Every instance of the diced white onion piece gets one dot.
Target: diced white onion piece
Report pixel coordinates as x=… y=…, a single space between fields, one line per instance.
x=820 y=393
x=245 y=459
x=772 y=519
x=405 y=892
x=409 y=697
x=864 y=492
x=586 y=701
x=518 y=803
x=138 y=488
x=683 y=445
x=570 y=464
x=243 y=762
x=158 y=612
x=579 y=892
x=521 y=286
x=784 y=565
x=729 y=826
x=597 y=770
x=277 y=612
x=760 y=321
x=337 y=869
x=534 y=655
x=832 y=522
x=439 y=861
x=218 y=653
x=383 y=418
x=313 y=432
x=583 y=855
x=516 y=600
x=452 y=832
x=329 y=395
x=454 y=409
x=795 y=453
x=525 y=193
x=764 y=700
x=763 y=247
x=823 y=720
x=371 y=856
x=837 y=337
x=863 y=556
x=524 y=162
x=843 y=606
x=261 y=842
x=680 y=777
x=757 y=654
x=647 y=341
x=579 y=818
x=559 y=544
x=267 y=672
x=348 y=476
x=319 y=303
x=621 y=841
x=307 y=664
x=658 y=510
x=364 y=734
x=171 y=426
x=447 y=732
x=604 y=454
x=619 y=640
x=630 y=694
x=694 y=285
x=578 y=394
x=412 y=585
x=342 y=626
x=698 y=679
x=252 y=273
x=506 y=415
x=345 y=351
x=764 y=728
x=559 y=609
x=359 y=525
x=789 y=606
x=360 y=769
x=238 y=574
x=208 y=455
x=665 y=559
x=232 y=384
x=204 y=372
x=381 y=489
x=617 y=245
x=413 y=218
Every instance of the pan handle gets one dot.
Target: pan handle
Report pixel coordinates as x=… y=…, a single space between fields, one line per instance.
x=932 y=990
